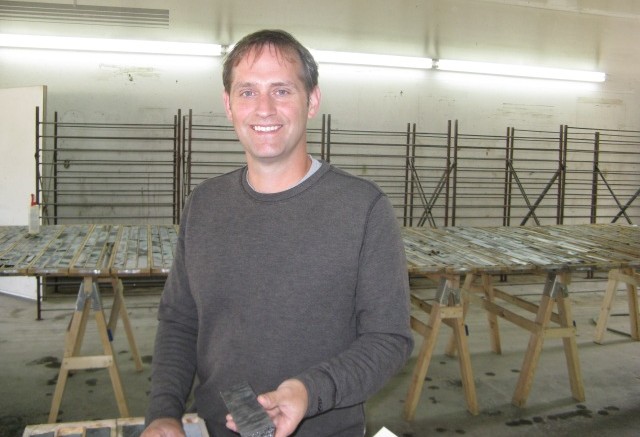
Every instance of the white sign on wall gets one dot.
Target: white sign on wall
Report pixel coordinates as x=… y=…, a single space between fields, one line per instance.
x=17 y=167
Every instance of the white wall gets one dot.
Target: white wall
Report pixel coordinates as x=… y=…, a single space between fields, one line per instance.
x=564 y=34
x=17 y=167
x=585 y=34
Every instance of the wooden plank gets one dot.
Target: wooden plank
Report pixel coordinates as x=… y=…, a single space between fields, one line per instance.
x=571 y=349
x=9 y=236
x=132 y=253
x=57 y=258
x=93 y=257
x=522 y=303
x=431 y=251
x=163 y=243
x=88 y=362
x=521 y=249
x=429 y=334
x=26 y=251
x=506 y=314
x=193 y=425
x=532 y=355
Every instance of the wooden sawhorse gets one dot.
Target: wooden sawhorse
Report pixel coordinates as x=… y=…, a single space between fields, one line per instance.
x=445 y=309
x=632 y=279
x=555 y=292
x=89 y=300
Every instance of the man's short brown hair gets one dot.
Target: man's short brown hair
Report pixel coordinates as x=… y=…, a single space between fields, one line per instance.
x=280 y=40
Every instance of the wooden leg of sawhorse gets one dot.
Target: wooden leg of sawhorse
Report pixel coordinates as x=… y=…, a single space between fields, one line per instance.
x=571 y=348
x=88 y=300
x=632 y=280
x=429 y=335
x=486 y=287
x=555 y=290
x=440 y=312
x=119 y=309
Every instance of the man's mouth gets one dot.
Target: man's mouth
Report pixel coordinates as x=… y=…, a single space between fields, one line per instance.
x=271 y=128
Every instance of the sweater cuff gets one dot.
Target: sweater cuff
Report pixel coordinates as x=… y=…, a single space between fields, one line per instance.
x=321 y=391
x=163 y=411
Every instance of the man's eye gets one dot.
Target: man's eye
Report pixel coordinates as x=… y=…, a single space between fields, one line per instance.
x=247 y=93
x=282 y=92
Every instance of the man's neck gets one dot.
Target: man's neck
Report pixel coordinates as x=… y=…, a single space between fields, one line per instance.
x=274 y=177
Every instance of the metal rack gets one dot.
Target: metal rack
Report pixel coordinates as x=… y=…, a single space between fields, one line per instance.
x=115 y=172
x=604 y=166
x=142 y=173
x=524 y=177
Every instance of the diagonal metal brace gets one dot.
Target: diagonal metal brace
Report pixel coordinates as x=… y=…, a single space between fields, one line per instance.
x=446 y=293
x=554 y=287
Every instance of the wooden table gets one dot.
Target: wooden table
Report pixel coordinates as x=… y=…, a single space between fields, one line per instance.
x=193 y=425
x=478 y=254
x=94 y=253
x=111 y=252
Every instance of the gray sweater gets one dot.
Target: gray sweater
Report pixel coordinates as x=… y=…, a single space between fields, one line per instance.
x=308 y=283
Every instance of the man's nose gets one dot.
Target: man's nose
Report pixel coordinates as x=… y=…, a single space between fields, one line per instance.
x=266 y=105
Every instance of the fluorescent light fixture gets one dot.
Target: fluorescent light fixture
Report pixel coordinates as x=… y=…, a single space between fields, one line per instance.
x=330 y=57
x=109 y=45
x=518 y=70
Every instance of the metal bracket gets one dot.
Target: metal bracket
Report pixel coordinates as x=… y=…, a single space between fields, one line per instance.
x=446 y=293
x=554 y=287
x=96 y=301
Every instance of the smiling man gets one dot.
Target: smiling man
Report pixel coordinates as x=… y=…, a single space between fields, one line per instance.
x=289 y=273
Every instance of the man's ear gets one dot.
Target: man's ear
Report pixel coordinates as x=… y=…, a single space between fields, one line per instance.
x=314 y=101
x=227 y=105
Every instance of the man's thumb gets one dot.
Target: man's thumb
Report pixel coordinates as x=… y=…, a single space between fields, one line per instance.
x=267 y=400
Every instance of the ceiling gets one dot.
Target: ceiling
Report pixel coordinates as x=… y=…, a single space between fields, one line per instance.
x=587 y=34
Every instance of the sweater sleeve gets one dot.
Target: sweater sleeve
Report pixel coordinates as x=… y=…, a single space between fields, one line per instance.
x=174 y=357
x=384 y=341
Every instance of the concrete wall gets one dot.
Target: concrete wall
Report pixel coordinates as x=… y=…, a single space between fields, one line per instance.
x=575 y=34
x=564 y=34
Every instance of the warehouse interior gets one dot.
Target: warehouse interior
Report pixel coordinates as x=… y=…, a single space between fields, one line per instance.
x=123 y=138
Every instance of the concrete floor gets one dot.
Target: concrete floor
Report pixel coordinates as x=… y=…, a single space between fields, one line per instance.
x=30 y=354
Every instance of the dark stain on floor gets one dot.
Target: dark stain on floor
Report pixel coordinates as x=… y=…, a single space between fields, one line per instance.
x=606 y=410
x=571 y=414
x=457 y=431
x=48 y=361
x=519 y=422
x=455 y=382
x=11 y=425
x=581 y=411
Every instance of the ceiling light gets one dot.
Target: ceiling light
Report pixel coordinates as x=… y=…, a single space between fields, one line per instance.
x=109 y=45
x=330 y=57
x=519 y=70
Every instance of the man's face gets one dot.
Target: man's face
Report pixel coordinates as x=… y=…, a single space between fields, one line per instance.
x=269 y=106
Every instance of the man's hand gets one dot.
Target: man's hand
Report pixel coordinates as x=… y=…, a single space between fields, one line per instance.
x=286 y=406
x=165 y=427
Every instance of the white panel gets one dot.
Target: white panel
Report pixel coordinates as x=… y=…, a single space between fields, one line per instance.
x=17 y=167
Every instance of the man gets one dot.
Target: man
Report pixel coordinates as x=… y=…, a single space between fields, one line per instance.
x=289 y=273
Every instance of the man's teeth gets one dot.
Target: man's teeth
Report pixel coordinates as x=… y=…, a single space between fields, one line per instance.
x=265 y=128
